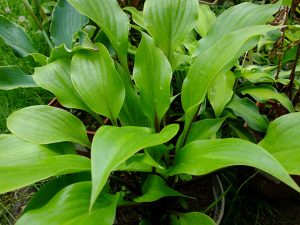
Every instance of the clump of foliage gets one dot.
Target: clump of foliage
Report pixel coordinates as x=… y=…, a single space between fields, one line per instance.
x=173 y=95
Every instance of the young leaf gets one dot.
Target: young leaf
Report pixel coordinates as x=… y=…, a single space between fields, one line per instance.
x=23 y=163
x=192 y=218
x=14 y=36
x=235 y=18
x=70 y=206
x=156 y=188
x=43 y=124
x=263 y=93
x=206 y=156
x=169 y=22
x=137 y=16
x=152 y=74
x=282 y=141
x=12 y=77
x=221 y=91
x=216 y=60
x=66 y=21
x=246 y=109
x=206 y=18
x=114 y=145
x=111 y=19
x=96 y=80
x=56 y=77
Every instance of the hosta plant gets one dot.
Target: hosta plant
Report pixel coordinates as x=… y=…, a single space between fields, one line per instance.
x=163 y=101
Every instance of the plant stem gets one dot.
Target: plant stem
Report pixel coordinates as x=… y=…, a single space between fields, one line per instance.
x=292 y=75
x=38 y=23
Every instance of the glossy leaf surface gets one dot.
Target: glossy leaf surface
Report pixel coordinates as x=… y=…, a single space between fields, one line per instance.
x=71 y=206
x=12 y=77
x=35 y=162
x=152 y=74
x=14 y=36
x=206 y=18
x=282 y=141
x=169 y=22
x=96 y=80
x=66 y=21
x=192 y=218
x=45 y=125
x=114 y=145
x=203 y=157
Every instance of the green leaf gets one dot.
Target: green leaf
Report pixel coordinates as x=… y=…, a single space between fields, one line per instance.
x=96 y=80
x=12 y=77
x=56 y=77
x=216 y=60
x=111 y=19
x=23 y=163
x=71 y=206
x=282 y=141
x=221 y=91
x=204 y=129
x=263 y=93
x=246 y=109
x=137 y=16
x=43 y=124
x=114 y=145
x=236 y=18
x=156 y=188
x=206 y=18
x=66 y=21
x=192 y=218
x=170 y=21
x=14 y=36
x=206 y=156
x=152 y=74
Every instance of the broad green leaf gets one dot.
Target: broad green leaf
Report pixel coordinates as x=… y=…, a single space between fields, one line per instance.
x=156 y=188
x=152 y=74
x=169 y=22
x=114 y=145
x=14 y=36
x=216 y=60
x=204 y=129
x=43 y=124
x=23 y=163
x=256 y=74
x=95 y=78
x=241 y=132
x=192 y=218
x=56 y=77
x=263 y=93
x=206 y=18
x=137 y=16
x=236 y=18
x=206 y=156
x=71 y=206
x=111 y=19
x=66 y=21
x=246 y=109
x=221 y=91
x=12 y=77
x=282 y=141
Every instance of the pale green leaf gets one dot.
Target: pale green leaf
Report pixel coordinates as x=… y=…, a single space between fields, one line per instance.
x=114 y=145
x=282 y=141
x=221 y=91
x=45 y=125
x=152 y=74
x=70 y=206
x=156 y=188
x=111 y=19
x=23 y=163
x=56 y=77
x=206 y=18
x=96 y=80
x=206 y=156
x=12 y=77
x=263 y=93
x=246 y=109
x=192 y=218
x=14 y=36
x=137 y=16
x=169 y=22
